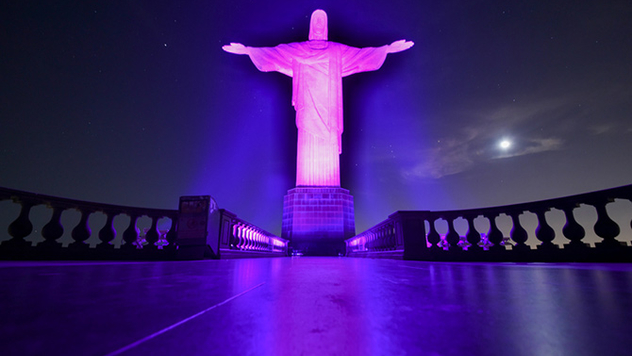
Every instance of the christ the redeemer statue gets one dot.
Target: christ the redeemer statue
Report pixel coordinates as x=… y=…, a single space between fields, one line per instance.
x=317 y=67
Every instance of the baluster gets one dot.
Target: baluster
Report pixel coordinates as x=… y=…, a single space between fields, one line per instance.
x=237 y=235
x=130 y=235
x=152 y=236
x=255 y=238
x=21 y=227
x=264 y=242
x=572 y=230
x=518 y=234
x=234 y=240
x=240 y=236
x=452 y=237
x=82 y=231
x=494 y=235
x=107 y=233
x=605 y=227
x=433 y=236
x=472 y=236
x=544 y=232
x=247 y=238
x=172 y=235
x=243 y=237
x=53 y=229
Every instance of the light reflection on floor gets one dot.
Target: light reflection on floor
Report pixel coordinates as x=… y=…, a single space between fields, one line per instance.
x=314 y=306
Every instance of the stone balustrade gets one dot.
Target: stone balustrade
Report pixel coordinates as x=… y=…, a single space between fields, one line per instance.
x=157 y=240
x=150 y=243
x=240 y=238
x=415 y=235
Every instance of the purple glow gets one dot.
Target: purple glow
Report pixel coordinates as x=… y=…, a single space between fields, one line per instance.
x=317 y=67
x=251 y=238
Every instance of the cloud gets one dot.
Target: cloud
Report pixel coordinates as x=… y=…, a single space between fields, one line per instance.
x=477 y=141
x=456 y=156
x=536 y=145
x=600 y=129
x=436 y=163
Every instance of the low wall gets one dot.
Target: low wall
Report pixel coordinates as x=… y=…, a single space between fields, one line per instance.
x=150 y=243
x=241 y=239
x=414 y=235
x=60 y=238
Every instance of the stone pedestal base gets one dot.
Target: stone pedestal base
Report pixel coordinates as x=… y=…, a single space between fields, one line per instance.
x=317 y=220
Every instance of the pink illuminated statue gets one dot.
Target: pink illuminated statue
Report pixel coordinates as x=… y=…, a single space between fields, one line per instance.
x=317 y=67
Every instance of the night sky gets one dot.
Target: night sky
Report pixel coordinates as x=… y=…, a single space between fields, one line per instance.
x=134 y=102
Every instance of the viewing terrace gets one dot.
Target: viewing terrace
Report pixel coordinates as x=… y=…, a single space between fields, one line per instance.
x=452 y=283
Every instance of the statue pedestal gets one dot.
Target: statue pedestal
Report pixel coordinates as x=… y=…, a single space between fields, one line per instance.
x=317 y=220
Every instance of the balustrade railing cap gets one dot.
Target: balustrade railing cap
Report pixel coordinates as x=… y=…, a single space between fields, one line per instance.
x=86 y=206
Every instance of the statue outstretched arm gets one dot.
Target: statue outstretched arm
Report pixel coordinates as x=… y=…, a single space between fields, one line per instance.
x=236 y=48
x=399 y=46
x=266 y=59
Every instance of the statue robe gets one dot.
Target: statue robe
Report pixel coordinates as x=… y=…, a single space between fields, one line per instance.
x=317 y=69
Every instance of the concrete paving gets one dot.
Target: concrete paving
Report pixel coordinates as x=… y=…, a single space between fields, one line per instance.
x=314 y=306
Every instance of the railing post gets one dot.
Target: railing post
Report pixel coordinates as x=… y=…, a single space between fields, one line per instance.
x=494 y=235
x=22 y=226
x=152 y=236
x=433 y=236
x=409 y=227
x=544 y=232
x=472 y=236
x=172 y=235
x=130 y=235
x=226 y=233
x=53 y=230
x=452 y=237
x=605 y=227
x=518 y=234
x=572 y=230
x=107 y=233
x=82 y=232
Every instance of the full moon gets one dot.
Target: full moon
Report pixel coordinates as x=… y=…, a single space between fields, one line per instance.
x=505 y=144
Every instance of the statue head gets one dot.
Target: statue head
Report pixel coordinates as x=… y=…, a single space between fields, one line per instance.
x=318 y=26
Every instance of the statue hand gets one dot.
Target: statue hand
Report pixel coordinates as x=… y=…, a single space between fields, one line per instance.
x=236 y=48
x=399 y=46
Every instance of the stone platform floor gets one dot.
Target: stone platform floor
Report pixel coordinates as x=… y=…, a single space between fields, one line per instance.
x=314 y=306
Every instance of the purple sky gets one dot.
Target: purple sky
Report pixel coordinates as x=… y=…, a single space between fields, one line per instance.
x=135 y=103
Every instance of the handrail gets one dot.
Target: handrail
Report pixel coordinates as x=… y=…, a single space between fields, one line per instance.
x=153 y=243
x=408 y=235
x=242 y=236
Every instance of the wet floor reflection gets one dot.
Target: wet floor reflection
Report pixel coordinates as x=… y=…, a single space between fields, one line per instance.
x=317 y=306
x=369 y=307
